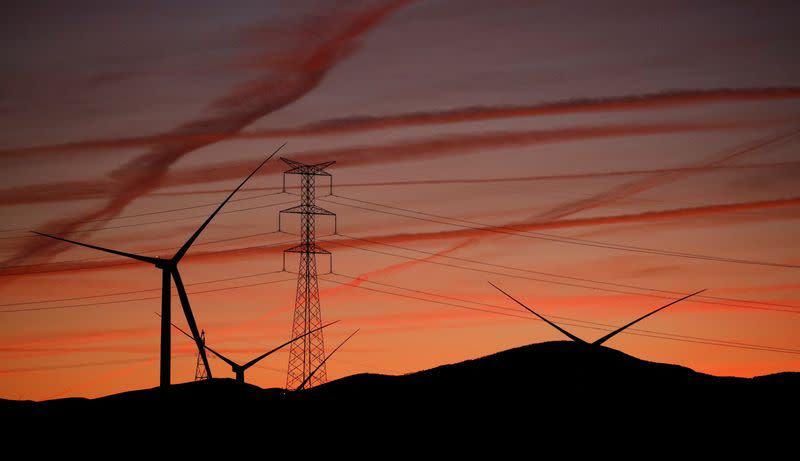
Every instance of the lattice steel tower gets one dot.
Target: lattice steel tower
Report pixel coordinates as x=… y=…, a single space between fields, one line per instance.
x=200 y=368
x=308 y=353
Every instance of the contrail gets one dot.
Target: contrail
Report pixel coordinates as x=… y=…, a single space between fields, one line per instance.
x=645 y=101
x=477 y=232
x=357 y=281
x=301 y=73
x=550 y=177
x=381 y=153
x=660 y=178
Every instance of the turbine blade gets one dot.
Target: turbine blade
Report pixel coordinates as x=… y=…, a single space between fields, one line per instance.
x=264 y=355
x=187 y=311
x=220 y=356
x=567 y=333
x=182 y=251
x=146 y=259
x=619 y=330
x=310 y=375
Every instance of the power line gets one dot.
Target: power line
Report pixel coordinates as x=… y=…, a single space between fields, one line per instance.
x=101 y=258
x=489 y=228
x=555 y=238
x=72 y=306
x=154 y=212
x=489 y=272
x=549 y=274
x=474 y=225
x=339 y=242
x=637 y=333
x=158 y=222
x=90 y=364
x=569 y=319
x=461 y=259
x=120 y=293
x=596 y=325
x=81 y=365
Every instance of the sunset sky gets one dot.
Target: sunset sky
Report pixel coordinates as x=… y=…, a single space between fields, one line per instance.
x=595 y=159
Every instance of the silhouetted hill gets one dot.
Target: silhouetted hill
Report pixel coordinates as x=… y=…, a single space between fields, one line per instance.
x=557 y=381
x=556 y=376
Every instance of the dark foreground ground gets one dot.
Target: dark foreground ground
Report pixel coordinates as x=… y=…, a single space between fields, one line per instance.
x=553 y=384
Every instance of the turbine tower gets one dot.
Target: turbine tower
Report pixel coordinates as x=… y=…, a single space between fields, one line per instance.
x=306 y=357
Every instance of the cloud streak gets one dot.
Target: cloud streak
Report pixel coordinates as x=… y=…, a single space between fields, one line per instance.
x=472 y=232
x=648 y=216
x=550 y=177
x=626 y=103
x=429 y=148
x=364 y=277
x=662 y=178
x=302 y=71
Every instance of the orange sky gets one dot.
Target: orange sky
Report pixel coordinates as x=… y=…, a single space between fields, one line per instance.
x=594 y=179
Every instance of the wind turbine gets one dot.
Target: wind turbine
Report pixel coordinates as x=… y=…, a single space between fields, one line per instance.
x=302 y=385
x=604 y=338
x=240 y=369
x=169 y=268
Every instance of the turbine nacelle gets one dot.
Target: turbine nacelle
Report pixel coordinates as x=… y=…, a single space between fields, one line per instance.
x=165 y=264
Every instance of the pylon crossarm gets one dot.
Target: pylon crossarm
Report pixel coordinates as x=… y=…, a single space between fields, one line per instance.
x=301 y=168
x=306 y=209
x=307 y=248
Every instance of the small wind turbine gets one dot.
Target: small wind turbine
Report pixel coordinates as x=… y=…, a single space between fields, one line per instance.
x=308 y=378
x=169 y=268
x=240 y=369
x=604 y=338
